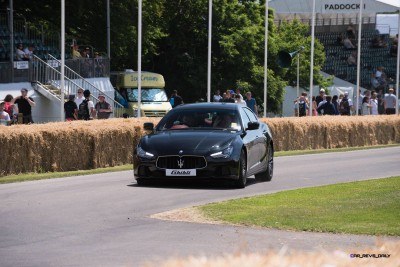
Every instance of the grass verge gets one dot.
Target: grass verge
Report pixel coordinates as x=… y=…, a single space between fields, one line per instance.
x=367 y=207
x=320 y=151
x=51 y=175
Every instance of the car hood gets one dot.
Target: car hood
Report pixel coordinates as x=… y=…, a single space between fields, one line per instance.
x=196 y=142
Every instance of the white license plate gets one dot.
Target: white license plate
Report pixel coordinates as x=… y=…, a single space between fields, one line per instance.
x=183 y=172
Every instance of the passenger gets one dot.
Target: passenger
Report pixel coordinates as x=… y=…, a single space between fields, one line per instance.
x=223 y=121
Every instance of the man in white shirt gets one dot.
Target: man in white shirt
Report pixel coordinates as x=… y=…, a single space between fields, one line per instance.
x=29 y=51
x=79 y=99
x=19 y=54
x=389 y=102
x=238 y=93
x=217 y=96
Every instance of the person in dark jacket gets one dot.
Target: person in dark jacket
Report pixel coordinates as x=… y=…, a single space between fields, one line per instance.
x=327 y=108
x=336 y=104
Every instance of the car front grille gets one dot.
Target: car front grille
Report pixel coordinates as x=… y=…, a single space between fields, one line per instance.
x=181 y=162
x=154 y=113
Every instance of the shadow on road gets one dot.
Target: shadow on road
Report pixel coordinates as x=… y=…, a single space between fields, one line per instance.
x=191 y=184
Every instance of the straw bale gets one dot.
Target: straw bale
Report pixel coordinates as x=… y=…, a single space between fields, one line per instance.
x=101 y=143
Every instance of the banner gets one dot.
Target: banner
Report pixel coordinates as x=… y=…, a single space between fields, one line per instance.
x=350 y=6
x=21 y=65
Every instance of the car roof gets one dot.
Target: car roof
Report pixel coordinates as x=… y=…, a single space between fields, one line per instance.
x=206 y=105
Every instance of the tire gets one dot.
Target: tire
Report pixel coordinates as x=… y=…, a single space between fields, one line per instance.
x=142 y=182
x=241 y=182
x=266 y=175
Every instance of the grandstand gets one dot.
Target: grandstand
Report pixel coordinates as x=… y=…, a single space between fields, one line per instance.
x=371 y=58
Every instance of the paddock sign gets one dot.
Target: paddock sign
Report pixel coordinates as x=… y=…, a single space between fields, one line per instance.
x=351 y=6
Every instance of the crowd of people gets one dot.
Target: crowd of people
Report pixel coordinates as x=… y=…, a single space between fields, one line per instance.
x=19 y=109
x=24 y=53
x=369 y=103
x=231 y=96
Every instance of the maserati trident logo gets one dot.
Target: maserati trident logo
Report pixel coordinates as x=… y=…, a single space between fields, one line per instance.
x=180 y=163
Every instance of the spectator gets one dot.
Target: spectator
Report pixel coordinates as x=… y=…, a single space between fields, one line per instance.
x=29 y=51
x=86 y=109
x=251 y=103
x=381 y=108
x=20 y=55
x=366 y=107
x=175 y=99
x=381 y=76
x=389 y=102
x=320 y=97
x=345 y=105
x=322 y=102
x=303 y=105
x=351 y=33
x=327 y=108
x=71 y=109
x=238 y=93
x=374 y=82
x=228 y=97
x=4 y=116
x=360 y=101
x=75 y=52
x=335 y=104
x=103 y=108
x=374 y=104
x=79 y=99
x=8 y=106
x=378 y=42
x=217 y=96
x=393 y=50
x=352 y=59
x=314 y=106
x=86 y=53
x=25 y=105
x=340 y=98
x=239 y=101
x=348 y=44
x=339 y=39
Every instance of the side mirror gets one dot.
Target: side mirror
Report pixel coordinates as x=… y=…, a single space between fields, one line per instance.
x=148 y=126
x=253 y=125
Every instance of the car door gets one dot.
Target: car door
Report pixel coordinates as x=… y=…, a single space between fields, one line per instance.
x=260 y=140
x=249 y=140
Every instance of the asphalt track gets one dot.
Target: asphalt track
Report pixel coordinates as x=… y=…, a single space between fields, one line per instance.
x=103 y=220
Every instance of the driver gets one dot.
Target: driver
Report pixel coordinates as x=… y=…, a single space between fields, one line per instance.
x=187 y=121
x=223 y=121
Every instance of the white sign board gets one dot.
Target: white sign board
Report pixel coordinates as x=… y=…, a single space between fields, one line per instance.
x=21 y=65
x=53 y=63
x=351 y=6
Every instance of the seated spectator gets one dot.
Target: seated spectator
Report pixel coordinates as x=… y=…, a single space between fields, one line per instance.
x=29 y=51
x=378 y=42
x=393 y=50
x=352 y=59
x=339 y=39
x=374 y=82
x=348 y=44
x=381 y=76
x=20 y=54
x=75 y=52
x=351 y=33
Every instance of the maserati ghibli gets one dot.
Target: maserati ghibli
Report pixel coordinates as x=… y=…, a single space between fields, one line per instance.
x=206 y=141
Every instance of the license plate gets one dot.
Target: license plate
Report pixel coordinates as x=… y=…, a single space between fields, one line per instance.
x=188 y=172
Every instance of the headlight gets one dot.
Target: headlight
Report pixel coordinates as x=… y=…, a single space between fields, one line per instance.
x=226 y=153
x=143 y=154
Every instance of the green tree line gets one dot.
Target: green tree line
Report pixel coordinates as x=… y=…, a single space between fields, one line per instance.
x=175 y=42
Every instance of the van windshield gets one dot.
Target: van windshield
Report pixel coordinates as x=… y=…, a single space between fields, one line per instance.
x=148 y=94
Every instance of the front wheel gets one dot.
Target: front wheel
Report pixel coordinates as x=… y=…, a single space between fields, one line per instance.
x=266 y=175
x=241 y=182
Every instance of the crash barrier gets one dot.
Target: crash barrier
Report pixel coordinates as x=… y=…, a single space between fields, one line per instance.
x=102 y=143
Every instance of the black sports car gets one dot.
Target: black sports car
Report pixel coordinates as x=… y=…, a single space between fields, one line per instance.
x=207 y=141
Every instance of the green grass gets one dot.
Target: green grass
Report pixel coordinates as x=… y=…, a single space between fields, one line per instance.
x=319 y=151
x=51 y=175
x=368 y=207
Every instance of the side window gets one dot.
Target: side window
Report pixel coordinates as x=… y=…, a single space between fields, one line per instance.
x=245 y=118
x=251 y=115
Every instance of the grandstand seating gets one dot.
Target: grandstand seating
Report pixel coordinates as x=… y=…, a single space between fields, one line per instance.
x=371 y=58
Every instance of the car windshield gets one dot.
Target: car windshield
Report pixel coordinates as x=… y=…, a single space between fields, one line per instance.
x=148 y=94
x=200 y=119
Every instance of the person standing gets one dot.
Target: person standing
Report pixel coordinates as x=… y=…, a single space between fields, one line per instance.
x=86 y=109
x=365 y=107
x=75 y=52
x=239 y=101
x=217 y=96
x=103 y=108
x=228 y=97
x=71 y=109
x=79 y=99
x=345 y=105
x=8 y=107
x=335 y=104
x=389 y=102
x=251 y=103
x=238 y=93
x=25 y=105
x=327 y=108
x=374 y=104
x=320 y=97
x=4 y=116
x=175 y=99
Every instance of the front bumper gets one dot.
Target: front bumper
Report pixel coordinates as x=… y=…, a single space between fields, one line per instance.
x=216 y=169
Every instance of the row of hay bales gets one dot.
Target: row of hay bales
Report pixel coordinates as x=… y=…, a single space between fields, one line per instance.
x=94 y=144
